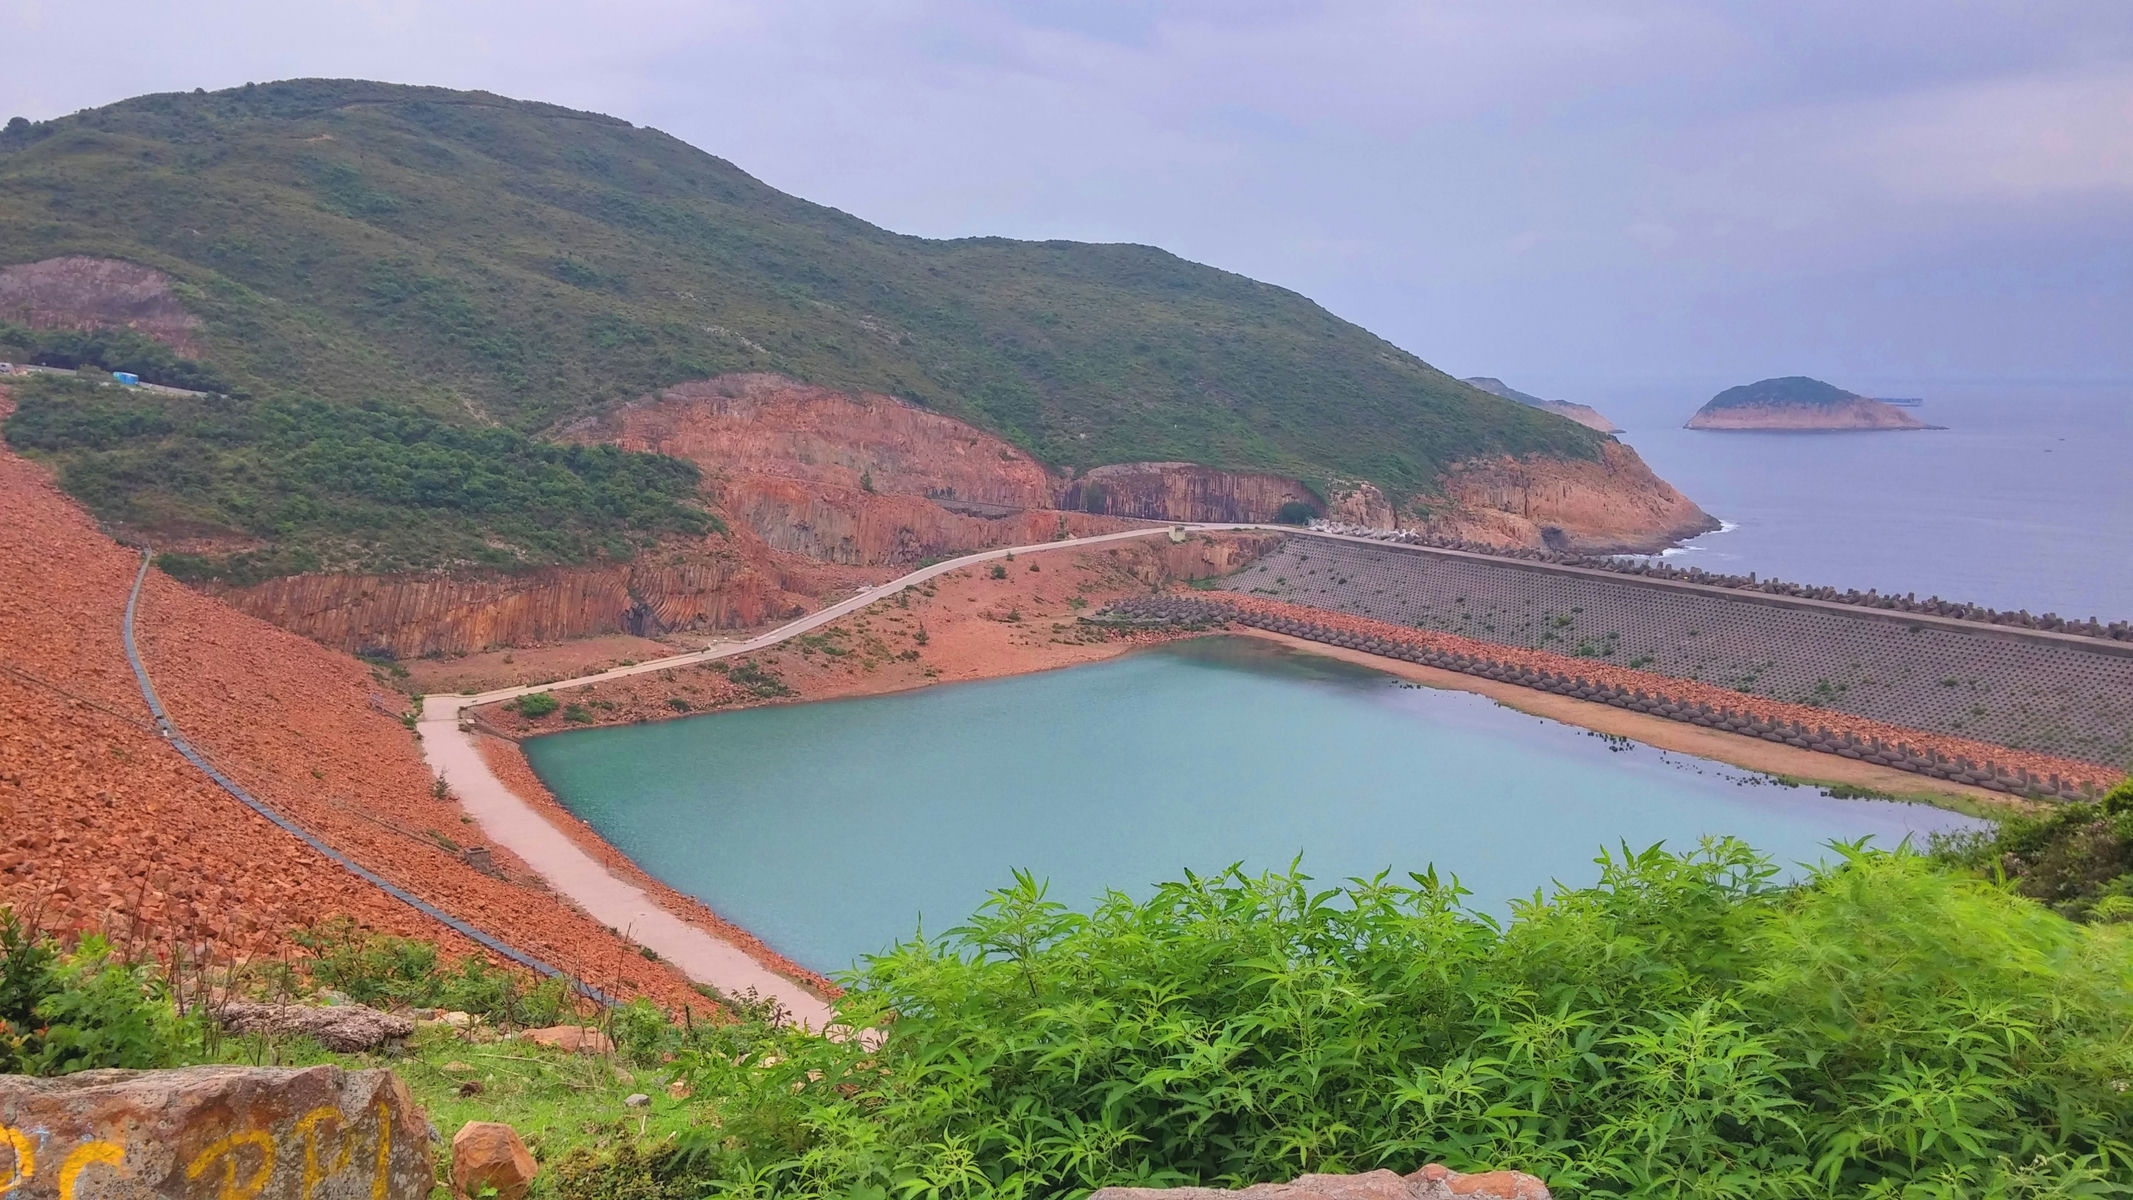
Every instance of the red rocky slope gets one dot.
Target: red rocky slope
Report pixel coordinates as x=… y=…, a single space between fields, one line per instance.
x=103 y=825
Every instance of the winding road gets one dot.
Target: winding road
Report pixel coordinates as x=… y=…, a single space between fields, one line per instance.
x=508 y=821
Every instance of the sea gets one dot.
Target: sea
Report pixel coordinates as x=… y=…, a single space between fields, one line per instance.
x=2023 y=501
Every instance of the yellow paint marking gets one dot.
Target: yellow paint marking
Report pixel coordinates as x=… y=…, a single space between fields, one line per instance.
x=25 y=1159
x=226 y=1151
x=381 y=1174
x=316 y=1172
x=84 y=1156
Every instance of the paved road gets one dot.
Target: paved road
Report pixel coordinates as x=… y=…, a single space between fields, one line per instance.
x=508 y=821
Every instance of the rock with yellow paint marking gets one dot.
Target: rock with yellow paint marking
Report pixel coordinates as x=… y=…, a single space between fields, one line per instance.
x=244 y=1133
x=490 y=1155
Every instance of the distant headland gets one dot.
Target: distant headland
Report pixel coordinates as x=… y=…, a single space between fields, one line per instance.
x=1795 y=403
x=1583 y=414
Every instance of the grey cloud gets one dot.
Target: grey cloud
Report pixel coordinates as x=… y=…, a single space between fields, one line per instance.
x=1571 y=191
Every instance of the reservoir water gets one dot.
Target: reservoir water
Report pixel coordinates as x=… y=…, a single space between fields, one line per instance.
x=831 y=830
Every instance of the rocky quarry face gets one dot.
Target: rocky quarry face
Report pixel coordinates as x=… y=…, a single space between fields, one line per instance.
x=825 y=490
x=96 y=293
x=270 y=1133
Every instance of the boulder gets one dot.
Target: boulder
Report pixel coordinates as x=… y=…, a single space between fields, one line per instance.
x=577 y=1039
x=347 y=1028
x=489 y=1154
x=270 y=1133
x=1433 y=1182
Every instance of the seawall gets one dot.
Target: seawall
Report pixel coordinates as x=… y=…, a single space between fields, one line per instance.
x=2054 y=694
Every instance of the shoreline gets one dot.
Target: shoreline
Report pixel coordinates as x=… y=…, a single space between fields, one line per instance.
x=1810 y=767
x=967 y=625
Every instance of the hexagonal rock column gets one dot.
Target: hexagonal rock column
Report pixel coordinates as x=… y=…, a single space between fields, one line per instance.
x=1433 y=1182
x=255 y=1133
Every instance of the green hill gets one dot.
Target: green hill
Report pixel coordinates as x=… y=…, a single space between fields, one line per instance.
x=496 y=262
x=1796 y=390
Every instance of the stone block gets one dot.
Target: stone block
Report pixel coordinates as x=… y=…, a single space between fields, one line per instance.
x=260 y=1133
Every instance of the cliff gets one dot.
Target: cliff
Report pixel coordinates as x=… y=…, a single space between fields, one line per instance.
x=1797 y=403
x=1583 y=414
x=736 y=583
x=1176 y=491
x=1613 y=506
x=824 y=490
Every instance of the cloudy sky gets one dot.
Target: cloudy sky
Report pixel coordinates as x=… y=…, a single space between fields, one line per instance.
x=1580 y=196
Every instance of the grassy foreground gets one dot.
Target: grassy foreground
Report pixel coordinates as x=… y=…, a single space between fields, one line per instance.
x=1895 y=1025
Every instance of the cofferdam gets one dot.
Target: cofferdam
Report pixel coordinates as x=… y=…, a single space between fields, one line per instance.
x=2053 y=694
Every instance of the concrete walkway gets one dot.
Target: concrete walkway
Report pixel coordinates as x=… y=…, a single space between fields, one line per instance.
x=508 y=821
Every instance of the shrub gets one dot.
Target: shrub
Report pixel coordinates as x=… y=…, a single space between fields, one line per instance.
x=72 y=1011
x=999 y=571
x=2074 y=857
x=537 y=705
x=388 y=971
x=577 y=714
x=1686 y=1027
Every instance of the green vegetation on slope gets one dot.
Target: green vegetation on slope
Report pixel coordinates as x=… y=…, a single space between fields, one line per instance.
x=369 y=486
x=494 y=259
x=1791 y=389
x=108 y=350
x=2078 y=858
x=1892 y=1026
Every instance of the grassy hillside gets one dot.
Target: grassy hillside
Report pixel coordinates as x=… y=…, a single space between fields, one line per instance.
x=1790 y=390
x=491 y=260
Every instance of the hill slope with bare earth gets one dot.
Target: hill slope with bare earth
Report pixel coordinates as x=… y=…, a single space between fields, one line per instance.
x=103 y=825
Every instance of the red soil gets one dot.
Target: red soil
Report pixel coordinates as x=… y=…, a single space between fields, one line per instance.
x=103 y=825
x=974 y=627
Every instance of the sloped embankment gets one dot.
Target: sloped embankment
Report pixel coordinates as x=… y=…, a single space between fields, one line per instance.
x=102 y=825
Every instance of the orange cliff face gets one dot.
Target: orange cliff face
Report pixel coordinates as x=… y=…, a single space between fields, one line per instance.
x=824 y=490
x=861 y=480
x=1614 y=505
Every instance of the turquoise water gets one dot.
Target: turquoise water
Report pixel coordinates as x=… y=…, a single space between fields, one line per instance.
x=831 y=830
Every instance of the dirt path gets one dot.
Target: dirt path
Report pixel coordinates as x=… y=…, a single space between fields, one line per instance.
x=511 y=822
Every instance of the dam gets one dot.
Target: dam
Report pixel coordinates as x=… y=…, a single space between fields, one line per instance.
x=2054 y=694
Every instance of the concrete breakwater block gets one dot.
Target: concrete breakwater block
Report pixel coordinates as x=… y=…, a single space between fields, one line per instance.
x=1433 y=1182
x=267 y=1133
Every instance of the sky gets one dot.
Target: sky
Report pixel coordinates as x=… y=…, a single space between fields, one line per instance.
x=1579 y=196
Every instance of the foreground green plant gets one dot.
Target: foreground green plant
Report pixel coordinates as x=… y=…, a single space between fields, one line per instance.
x=1686 y=1027
x=63 y=1011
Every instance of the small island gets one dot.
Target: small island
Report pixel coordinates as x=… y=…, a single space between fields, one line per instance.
x=1796 y=403
x=1583 y=414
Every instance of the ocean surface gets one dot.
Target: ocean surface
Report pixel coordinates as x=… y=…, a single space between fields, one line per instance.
x=2024 y=501
x=832 y=830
